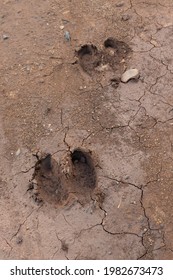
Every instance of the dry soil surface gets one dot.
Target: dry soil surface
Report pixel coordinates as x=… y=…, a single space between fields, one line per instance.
x=86 y=161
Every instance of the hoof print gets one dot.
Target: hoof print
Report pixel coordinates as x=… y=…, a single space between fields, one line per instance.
x=50 y=185
x=121 y=48
x=57 y=182
x=111 y=57
x=89 y=57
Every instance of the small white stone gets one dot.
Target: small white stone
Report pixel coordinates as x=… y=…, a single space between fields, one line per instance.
x=111 y=52
x=130 y=74
x=5 y=36
x=153 y=42
x=18 y=152
x=102 y=67
x=61 y=27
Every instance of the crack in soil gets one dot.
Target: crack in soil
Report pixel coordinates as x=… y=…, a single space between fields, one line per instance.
x=22 y=223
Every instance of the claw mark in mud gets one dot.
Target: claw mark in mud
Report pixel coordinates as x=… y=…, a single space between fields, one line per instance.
x=74 y=176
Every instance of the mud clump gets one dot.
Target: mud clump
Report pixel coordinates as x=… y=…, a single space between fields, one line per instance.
x=74 y=176
x=115 y=82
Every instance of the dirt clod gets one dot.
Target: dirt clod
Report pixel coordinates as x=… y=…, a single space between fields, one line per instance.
x=64 y=246
x=19 y=240
x=125 y=17
x=115 y=82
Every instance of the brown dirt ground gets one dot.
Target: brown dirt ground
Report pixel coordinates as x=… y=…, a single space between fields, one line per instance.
x=112 y=199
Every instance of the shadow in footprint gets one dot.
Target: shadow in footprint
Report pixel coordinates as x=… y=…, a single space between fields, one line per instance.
x=84 y=170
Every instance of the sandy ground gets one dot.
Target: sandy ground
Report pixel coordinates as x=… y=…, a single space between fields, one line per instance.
x=86 y=161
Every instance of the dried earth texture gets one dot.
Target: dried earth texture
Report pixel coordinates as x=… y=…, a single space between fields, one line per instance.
x=86 y=161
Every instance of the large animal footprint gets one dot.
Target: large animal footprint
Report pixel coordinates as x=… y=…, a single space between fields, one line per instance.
x=112 y=55
x=74 y=176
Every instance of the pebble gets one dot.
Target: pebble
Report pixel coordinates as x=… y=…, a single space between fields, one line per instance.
x=120 y=4
x=61 y=27
x=133 y=202
x=67 y=36
x=125 y=17
x=19 y=240
x=41 y=81
x=5 y=36
x=18 y=152
x=28 y=68
x=153 y=42
x=130 y=74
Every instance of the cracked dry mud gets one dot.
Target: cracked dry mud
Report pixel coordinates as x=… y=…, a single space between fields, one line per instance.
x=53 y=102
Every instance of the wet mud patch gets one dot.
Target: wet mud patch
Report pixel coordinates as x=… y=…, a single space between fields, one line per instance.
x=112 y=56
x=73 y=177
